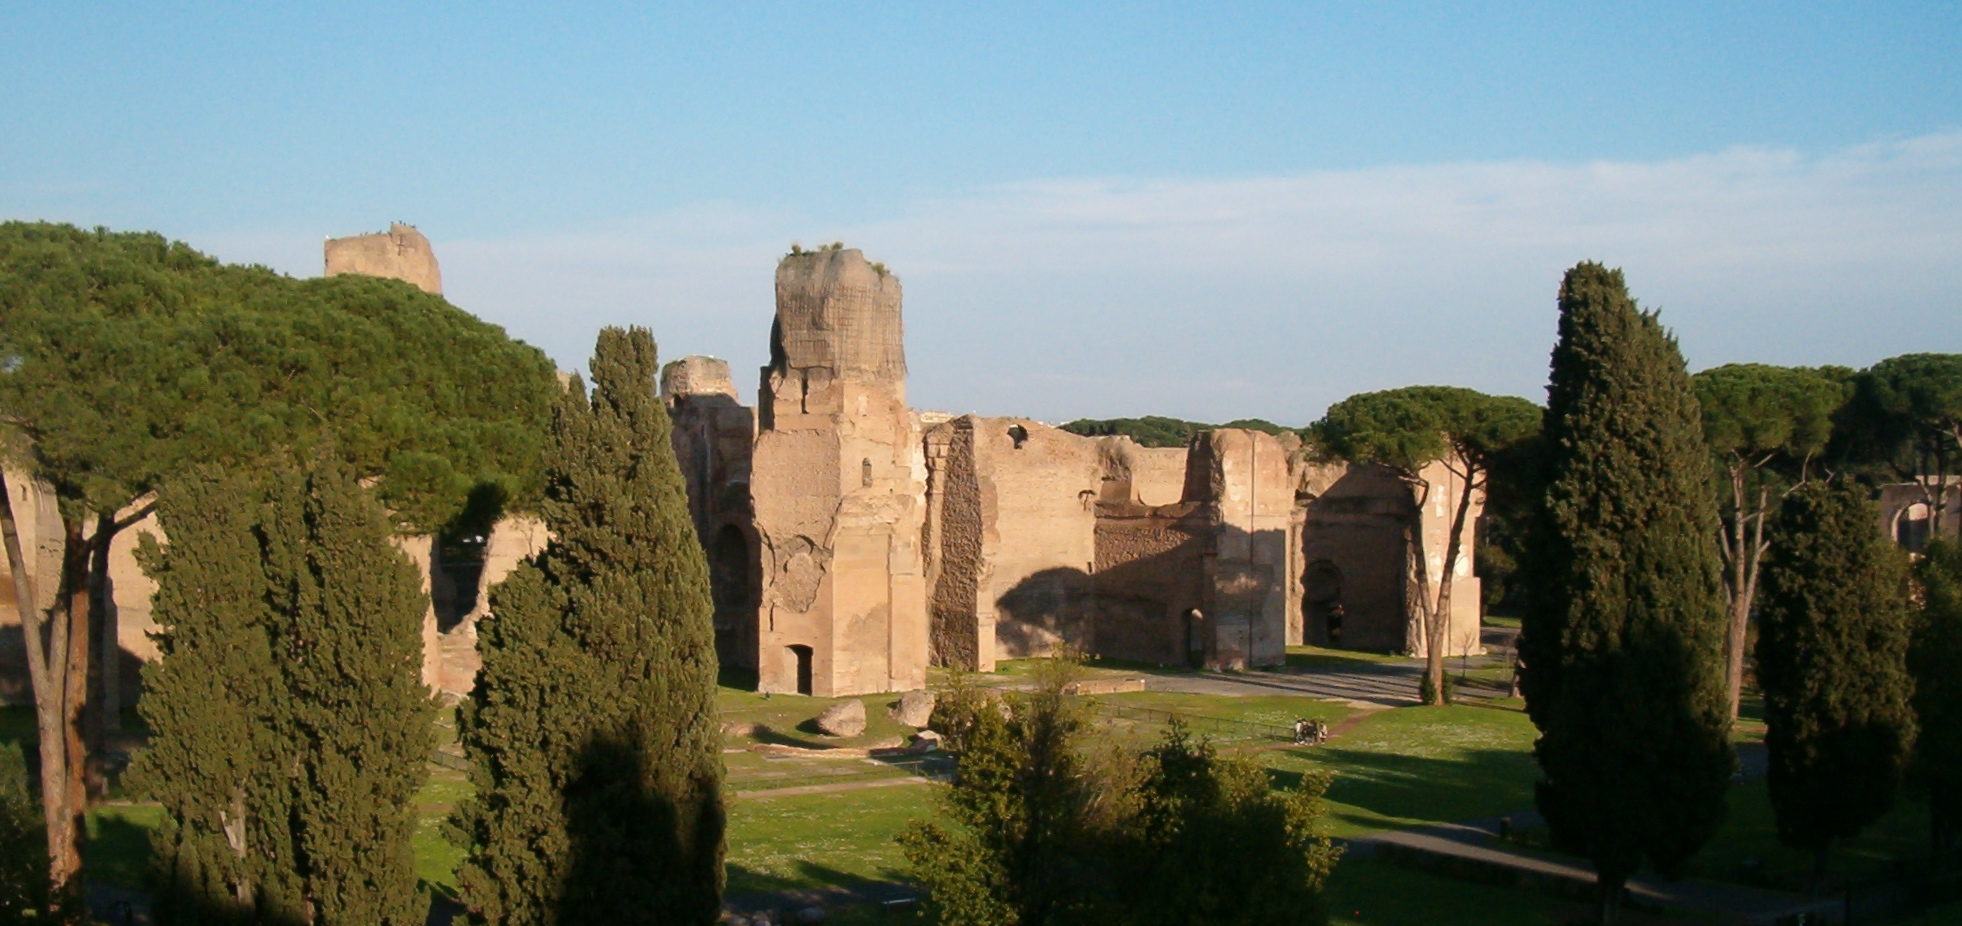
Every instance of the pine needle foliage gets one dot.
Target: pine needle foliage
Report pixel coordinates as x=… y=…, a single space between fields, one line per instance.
x=592 y=732
x=1832 y=662
x=290 y=726
x=1935 y=661
x=1621 y=649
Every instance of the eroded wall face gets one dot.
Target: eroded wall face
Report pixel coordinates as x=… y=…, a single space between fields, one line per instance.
x=1039 y=485
x=1355 y=541
x=401 y=253
x=838 y=486
x=714 y=438
x=1243 y=479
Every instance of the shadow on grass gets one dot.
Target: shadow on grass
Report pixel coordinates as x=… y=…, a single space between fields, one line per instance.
x=1480 y=783
x=809 y=876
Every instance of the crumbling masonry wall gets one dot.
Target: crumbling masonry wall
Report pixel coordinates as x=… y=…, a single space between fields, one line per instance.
x=401 y=253
x=838 y=487
x=1011 y=544
x=713 y=437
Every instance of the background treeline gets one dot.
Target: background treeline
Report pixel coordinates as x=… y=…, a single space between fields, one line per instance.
x=1157 y=431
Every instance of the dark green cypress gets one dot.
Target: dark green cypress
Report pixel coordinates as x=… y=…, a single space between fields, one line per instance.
x=592 y=732
x=211 y=702
x=290 y=726
x=348 y=637
x=1621 y=647
x=1935 y=661
x=1832 y=662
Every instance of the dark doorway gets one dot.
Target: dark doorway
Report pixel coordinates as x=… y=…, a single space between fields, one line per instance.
x=1321 y=601
x=1195 y=638
x=802 y=654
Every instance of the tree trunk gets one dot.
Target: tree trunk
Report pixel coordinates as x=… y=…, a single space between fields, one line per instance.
x=1440 y=617
x=1607 y=900
x=43 y=657
x=75 y=676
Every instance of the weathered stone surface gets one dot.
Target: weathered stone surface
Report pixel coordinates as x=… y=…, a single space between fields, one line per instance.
x=914 y=709
x=714 y=440
x=837 y=486
x=845 y=718
x=1011 y=538
x=401 y=253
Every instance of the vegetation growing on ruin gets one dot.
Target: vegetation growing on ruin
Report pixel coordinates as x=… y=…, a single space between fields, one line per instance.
x=290 y=722
x=1832 y=663
x=1621 y=650
x=1158 y=431
x=592 y=733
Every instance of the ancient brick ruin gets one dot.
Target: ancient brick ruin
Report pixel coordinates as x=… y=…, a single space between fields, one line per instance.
x=856 y=541
x=853 y=541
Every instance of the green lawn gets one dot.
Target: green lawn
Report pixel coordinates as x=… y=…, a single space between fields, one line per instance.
x=1364 y=892
x=1750 y=834
x=821 y=839
x=1417 y=765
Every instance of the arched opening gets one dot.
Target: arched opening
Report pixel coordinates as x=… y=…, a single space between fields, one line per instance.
x=1195 y=637
x=1321 y=601
x=802 y=655
x=1913 y=527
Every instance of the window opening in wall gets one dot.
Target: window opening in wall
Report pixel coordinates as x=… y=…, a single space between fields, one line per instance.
x=802 y=655
x=1018 y=434
x=865 y=473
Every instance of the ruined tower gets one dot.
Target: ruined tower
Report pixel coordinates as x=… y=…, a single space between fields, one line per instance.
x=838 y=486
x=714 y=436
x=401 y=253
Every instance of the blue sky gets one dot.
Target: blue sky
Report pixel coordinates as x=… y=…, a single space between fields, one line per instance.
x=1210 y=211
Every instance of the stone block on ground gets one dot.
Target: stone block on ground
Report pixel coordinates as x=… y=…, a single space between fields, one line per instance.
x=845 y=718
x=914 y=708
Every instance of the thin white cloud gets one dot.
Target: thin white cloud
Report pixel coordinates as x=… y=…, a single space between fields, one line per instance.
x=1274 y=296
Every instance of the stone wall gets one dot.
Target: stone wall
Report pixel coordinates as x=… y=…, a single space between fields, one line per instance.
x=838 y=485
x=1015 y=506
x=401 y=253
x=714 y=437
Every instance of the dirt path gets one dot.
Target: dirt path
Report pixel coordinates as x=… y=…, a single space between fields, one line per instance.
x=837 y=788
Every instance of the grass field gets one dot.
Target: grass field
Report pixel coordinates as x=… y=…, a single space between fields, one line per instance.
x=1414 y=765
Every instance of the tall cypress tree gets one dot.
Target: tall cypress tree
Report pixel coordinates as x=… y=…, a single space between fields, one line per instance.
x=348 y=635
x=1935 y=660
x=1621 y=649
x=211 y=701
x=592 y=731
x=1832 y=662
x=290 y=725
